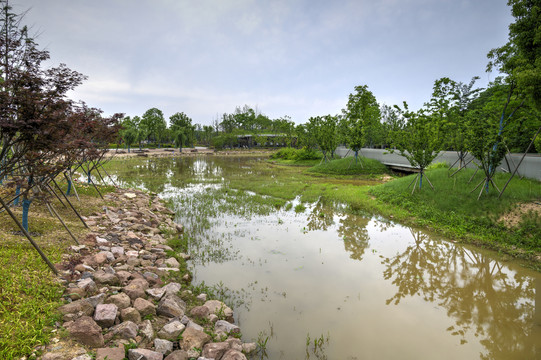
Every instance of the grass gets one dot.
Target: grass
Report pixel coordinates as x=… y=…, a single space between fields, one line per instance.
x=29 y=292
x=348 y=166
x=455 y=211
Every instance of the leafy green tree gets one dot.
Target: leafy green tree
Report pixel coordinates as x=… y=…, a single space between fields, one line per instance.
x=390 y=123
x=418 y=140
x=285 y=126
x=324 y=130
x=448 y=106
x=482 y=136
x=361 y=120
x=207 y=134
x=182 y=129
x=152 y=123
x=128 y=131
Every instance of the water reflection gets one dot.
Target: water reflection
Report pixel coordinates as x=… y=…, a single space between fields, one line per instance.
x=354 y=233
x=481 y=295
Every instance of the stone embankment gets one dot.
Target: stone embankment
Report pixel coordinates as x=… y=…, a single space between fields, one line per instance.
x=128 y=295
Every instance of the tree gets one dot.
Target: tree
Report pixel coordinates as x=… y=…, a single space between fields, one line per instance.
x=207 y=134
x=129 y=131
x=361 y=119
x=324 y=131
x=182 y=129
x=152 y=122
x=448 y=106
x=418 y=140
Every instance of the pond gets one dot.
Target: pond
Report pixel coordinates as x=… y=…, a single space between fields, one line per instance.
x=317 y=282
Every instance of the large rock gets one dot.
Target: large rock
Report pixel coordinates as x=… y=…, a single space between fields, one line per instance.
x=88 y=285
x=101 y=277
x=200 y=311
x=172 y=288
x=215 y=350
x=144 y=354
x=219 y=308
x=95 y=300
x=146 y=330
x=130 y=314
x=156 y=293
x=172 y=263
x=121 y=300
x=80 y=306
x=171 y=331
x=193 y=338
x=86 y=331
x=194 y=325
x=127 y=330
x=225 y=327
x=234 y=355
x=163 y=346
x=117 y=353
x=105 y=315
x=136 y=288
x=171 y=306
x=144 y=307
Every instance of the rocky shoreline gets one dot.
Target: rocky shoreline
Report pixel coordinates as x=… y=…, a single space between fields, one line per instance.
x=128 y=293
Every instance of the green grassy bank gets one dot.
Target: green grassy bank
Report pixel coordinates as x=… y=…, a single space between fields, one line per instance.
x=29 y=291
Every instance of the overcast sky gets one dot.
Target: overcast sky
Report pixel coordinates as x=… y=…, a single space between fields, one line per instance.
x=299 y=58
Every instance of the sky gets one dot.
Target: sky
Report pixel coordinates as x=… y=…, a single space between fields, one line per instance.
x=299 y=58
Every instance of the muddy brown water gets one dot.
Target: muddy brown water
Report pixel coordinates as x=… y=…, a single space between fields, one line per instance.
x=324 y=284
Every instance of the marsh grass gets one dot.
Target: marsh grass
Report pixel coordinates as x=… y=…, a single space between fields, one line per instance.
x=348 y=166
x=29 y=293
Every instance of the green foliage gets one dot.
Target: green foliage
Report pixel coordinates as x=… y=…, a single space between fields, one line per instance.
x=537 y=143
x=224 y=140
x=419 y=139
x=152 y=125
x=361 y=122
x=296 y=154
x=324 y=131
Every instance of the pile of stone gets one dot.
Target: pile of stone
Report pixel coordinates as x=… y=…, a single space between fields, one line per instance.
x=119 y=300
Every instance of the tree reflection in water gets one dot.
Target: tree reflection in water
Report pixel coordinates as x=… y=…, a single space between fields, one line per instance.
x=482 y=296
x=353 y=231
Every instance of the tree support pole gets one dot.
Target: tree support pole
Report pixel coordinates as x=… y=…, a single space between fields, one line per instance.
x=93 y=184
x=34 y=244
x=51 y=207
x=520 y=162
x=109 y=176
x=71 y=205
x=98 y=171
x=58 y=197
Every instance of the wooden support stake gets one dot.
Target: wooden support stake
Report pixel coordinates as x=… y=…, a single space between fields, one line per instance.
x=70 y=204
x=61 y=220
x=34 y=244
x=429 y=183
x=520 y=162
x=58 y=197
x=109 y=176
